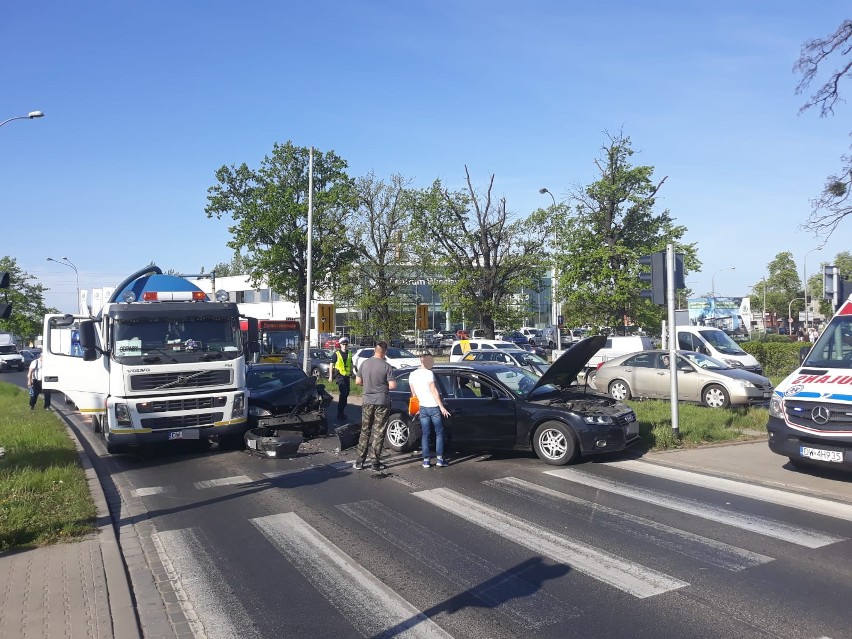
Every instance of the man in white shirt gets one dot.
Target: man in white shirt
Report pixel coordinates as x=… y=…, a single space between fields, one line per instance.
x=34 y=378
x=422 y=383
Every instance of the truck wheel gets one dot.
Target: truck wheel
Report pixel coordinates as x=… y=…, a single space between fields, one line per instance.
x=554 y=443
x=231 y=442
x=97 y=424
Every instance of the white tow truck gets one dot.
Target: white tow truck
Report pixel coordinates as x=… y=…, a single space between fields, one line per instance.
x=160 y=362
x=810 y=414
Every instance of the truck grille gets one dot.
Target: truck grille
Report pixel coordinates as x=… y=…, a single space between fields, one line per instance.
x=823 y=416
x=182 y=421
x=167 y=405
x=184 y=379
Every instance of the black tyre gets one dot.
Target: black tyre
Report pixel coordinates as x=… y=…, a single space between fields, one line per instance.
x=232 y=441
x=715 y=396
x=316 y=372
x=590 y=378
x=97 y=424
x=401 y=435
x=619 y=390
x=555 y=444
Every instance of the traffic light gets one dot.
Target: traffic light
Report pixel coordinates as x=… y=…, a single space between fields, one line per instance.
x=422 y=317
x=5 y=308
x=656 y=277
x=325 y=316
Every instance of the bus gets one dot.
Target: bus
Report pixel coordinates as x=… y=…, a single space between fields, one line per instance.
x=277 y=337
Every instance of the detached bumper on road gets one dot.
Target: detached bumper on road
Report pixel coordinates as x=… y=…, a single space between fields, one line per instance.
x=799 y=446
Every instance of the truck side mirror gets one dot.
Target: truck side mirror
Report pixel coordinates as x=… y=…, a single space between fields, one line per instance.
x=89 y=341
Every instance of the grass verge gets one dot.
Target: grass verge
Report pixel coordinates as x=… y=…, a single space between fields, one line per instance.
x=697 y=424
x=44 y=496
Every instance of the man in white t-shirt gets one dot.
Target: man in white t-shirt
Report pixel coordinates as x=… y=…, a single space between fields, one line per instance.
x=34 y=379
x=422 y=383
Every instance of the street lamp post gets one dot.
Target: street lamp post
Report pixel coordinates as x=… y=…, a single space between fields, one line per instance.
x=554 y=309
x=29 y=116
x=805 y=273
x=713 y=279
x=70 y=264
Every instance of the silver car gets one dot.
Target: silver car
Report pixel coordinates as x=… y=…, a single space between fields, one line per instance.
x=700 y=378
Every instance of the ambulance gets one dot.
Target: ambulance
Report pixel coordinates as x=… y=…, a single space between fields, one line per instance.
x=810 y=414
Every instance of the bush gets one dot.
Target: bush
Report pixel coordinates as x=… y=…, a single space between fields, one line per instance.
x=777 y=357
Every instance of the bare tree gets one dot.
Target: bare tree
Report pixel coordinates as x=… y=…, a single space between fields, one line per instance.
x=833 y=204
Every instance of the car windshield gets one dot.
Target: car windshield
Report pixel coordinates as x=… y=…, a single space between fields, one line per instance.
x=704 y=361
x=833 y=349
x=5 y=350
x=161 y=341
x=520 y=381
x=266 y=379
x=396 y=353
x=721 y=342
x=532 y=358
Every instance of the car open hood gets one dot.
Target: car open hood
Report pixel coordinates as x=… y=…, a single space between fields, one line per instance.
x=565 y=369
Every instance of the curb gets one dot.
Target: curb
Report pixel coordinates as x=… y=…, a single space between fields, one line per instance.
x=125 y=623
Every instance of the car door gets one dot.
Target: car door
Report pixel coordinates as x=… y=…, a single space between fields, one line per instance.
x=640 y=373
x=483 y=419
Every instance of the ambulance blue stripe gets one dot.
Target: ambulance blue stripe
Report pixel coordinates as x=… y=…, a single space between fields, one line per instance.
x=842 y=398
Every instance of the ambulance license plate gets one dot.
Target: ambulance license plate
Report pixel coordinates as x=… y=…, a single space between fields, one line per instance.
x=821 y=454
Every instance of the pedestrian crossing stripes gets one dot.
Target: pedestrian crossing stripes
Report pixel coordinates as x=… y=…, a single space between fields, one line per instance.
x=371 y=607
x=625 y=575
x=755 y=523
x=507 y=591
x=763 y=493
x=223 y=481
x=148 y=491
x=688 y=544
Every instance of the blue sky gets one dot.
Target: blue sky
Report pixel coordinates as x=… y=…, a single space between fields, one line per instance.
x=145 y=100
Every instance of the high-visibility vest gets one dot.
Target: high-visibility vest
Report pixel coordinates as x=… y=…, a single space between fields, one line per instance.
x=343 y=363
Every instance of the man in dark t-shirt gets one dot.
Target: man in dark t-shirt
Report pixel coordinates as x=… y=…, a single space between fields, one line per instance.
x=376 y=376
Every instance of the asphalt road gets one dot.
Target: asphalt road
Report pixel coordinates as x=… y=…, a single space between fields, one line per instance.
x=230 y=544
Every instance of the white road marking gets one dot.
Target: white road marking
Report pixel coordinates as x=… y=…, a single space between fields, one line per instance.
x=680 y=541
x=762 y=525
x=371 y=607
x=224 y=481
x=198 y=585
x=147 y=492
x=627 y=576
x=763 y=493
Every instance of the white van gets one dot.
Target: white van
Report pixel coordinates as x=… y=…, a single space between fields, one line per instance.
x=462 y=347
x=716 y=343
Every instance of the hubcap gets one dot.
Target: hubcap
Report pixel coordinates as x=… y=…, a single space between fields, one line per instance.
x=552 y=443
x=398 y=432
x=619 y=392
x=715 y=398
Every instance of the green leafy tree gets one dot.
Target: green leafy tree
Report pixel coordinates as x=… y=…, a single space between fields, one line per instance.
x=833 y=204
x=781 y=287
x=481 y=254
x=269 y=207
x=27 y=298
x=237 y=266
x=600 y=235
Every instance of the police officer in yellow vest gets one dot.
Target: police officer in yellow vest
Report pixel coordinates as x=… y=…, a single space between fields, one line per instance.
x=340 y=371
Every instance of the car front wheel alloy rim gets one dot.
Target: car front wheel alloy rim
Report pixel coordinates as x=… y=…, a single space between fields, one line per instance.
x=553 y=443
x=398 y=432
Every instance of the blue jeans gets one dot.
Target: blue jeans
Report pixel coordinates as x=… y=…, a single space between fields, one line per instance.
x=430 y=416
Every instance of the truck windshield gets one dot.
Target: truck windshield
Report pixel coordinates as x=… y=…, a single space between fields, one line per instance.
x=167 y=341
x=833 y=349
x=721 y=342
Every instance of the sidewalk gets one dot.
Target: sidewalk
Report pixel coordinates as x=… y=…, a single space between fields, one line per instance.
x=75 y=589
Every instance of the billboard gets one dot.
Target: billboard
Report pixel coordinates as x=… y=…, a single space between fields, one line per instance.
x=721 y=312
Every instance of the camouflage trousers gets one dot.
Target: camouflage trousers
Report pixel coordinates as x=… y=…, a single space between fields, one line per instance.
x=374 y=423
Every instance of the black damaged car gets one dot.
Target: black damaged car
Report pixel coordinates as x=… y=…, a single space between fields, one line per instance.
x=498 y=407
x=283 y=397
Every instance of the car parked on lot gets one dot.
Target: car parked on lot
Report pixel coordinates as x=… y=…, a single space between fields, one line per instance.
x=396 y=357
x=515 y=337
x=536 y=350
x=461 y=347
x=320 y=361
x=700 y=378
x=499 y=407
x=283 y=397
x=510 y=357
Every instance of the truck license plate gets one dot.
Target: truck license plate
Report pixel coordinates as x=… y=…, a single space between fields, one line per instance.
x=190 y=433
x=821 y=454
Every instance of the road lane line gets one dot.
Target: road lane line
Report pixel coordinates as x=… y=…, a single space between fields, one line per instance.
x=627 y=576
x=224 y=481
x=374 y=609
x=199 y=585
x=147 y=492
x=688 y=544
x=755 y=523
x=763 y=493
x=507 y=591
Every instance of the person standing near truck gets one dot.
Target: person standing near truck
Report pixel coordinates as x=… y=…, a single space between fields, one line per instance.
x=34 y=378
x=340 y=372
x=376 y=375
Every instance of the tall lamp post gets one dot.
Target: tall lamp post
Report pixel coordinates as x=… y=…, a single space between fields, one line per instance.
x=713 y=279
x=805 y=274
x=554 y=310
x=70 y=264
x=29 y=116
